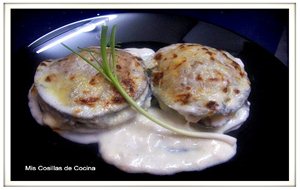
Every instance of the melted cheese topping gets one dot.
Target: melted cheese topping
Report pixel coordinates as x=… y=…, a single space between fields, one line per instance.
x=46 y=115
x=73 y=87
x=199 y=81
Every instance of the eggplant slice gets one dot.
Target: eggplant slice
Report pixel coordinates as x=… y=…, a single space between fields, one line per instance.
x=69 y=94
x=199 y=82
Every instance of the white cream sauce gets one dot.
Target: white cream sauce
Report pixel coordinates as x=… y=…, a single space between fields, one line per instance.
x=224 y=124
x=142 y=146
x=236 y=120
x=145 y=54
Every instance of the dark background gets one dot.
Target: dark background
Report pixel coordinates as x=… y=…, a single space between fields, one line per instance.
x=262 y=152
x=268 y=28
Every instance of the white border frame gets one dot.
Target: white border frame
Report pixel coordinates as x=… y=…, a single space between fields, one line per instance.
x=134 y=5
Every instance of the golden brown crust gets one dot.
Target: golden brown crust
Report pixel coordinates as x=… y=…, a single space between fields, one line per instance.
x=191 y=75
x=71 y=83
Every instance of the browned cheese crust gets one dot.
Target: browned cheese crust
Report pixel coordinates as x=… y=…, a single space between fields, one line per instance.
x=73 y=86
x=199 y=81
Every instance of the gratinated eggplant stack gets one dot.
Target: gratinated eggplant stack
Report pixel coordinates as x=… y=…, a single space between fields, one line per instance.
x=199 y=82
x=69 y=94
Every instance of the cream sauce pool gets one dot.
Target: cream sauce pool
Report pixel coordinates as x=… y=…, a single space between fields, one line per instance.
x=143 y=146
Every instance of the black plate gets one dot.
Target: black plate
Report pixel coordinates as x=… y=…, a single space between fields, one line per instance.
x=262 y=147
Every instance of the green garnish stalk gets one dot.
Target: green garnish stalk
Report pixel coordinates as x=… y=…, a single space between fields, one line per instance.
x=107 y=69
